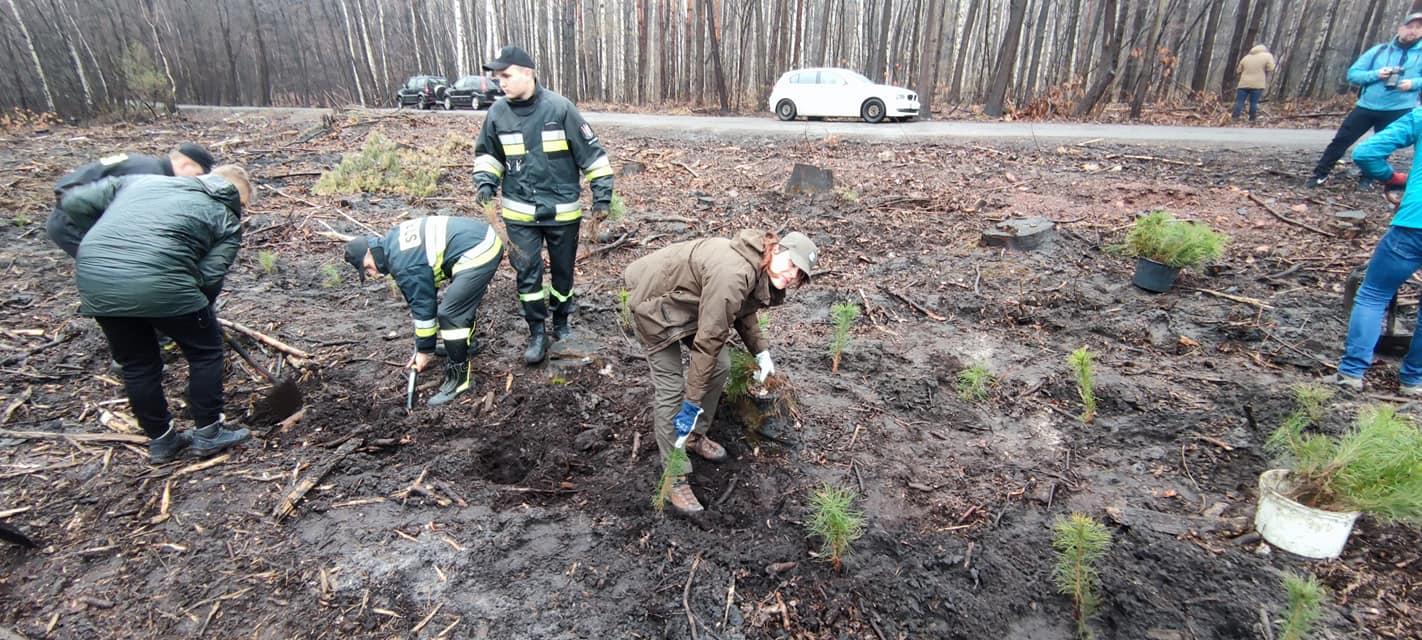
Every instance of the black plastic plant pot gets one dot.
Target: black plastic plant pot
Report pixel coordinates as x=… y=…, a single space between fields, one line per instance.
x=1154 y=276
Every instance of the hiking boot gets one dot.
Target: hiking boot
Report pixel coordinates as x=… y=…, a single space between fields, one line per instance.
x=1346 y=382
x=456 y=382
x=707 y=448
x=167 y=447
x=1410 y=390
x=682 y=499
x=214 y=439
x=537 y=350
x=561 y=330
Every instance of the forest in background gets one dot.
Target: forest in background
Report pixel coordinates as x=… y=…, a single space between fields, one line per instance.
x=1032 y=58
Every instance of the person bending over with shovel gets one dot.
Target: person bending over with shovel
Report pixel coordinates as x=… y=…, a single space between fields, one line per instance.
x=1397 y=256
x=420 y=254
x=690 y=295
x=154 y=254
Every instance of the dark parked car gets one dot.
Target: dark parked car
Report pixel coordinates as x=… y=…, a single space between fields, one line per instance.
x=423 y=92
x=475 y=92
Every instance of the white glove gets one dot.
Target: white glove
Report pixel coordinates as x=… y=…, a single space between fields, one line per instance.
x=765 y=366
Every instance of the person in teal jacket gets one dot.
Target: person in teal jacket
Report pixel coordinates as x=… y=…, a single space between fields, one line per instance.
x=1391 y=77
x=1397 y=256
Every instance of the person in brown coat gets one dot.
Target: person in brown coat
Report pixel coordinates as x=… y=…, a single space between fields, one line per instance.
x=1254 y=70
x=690 y=295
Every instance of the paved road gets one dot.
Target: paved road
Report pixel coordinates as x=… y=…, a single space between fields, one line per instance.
x=701 y=127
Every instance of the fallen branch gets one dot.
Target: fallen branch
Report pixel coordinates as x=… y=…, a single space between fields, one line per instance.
x=15 y=404
x=1289 y=220
x=1113 y=156
x=122 y=438
x=1240 y=299
x=288 y=502
x=914 y=305
x=58 y=340
x=267 y=340
x=686 y=596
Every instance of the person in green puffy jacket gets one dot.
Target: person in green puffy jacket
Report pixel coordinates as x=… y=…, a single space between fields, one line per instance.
x=154 y=254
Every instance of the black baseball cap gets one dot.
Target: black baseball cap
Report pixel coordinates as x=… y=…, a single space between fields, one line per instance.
x=355 y=254
x=197 y=154
x=509 y=56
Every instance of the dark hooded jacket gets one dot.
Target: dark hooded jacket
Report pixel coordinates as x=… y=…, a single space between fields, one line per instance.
x=701 y=288
x=155 y=246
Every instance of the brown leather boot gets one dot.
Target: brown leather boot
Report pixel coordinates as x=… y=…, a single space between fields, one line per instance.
x=707 y=448
x=682 y=499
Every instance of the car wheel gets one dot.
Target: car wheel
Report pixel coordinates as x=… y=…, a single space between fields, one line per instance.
x=399 y=104
x=785 y=110
x=872 y=111
x=447 y=104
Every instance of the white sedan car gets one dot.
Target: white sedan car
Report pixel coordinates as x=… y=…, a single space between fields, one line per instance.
x=829 y=92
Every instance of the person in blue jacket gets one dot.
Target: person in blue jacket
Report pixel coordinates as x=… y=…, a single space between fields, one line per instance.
x=1391 y=77
x=421 y=254
x=1397 y=256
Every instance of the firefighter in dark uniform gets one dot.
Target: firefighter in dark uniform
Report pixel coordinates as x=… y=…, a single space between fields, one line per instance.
x=187 y=160
x=420 y=254
x=537 y=145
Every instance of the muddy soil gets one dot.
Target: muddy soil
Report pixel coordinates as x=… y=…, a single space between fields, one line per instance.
x=524 y=509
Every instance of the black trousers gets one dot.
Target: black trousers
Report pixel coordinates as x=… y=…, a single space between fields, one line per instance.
x=62 y=232
x=1355 y=124
x=456 y=310
x=526 y=256
x=134 y=344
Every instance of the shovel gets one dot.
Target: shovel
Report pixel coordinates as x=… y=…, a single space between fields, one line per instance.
x=410 y=387
x=285 y=398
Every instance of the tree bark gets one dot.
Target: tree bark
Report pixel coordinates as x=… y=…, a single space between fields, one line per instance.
x=1007 y=57
x=955 y=86
x=171 y=102
x=1147 y=61
x=715 y=42
x=1113 y=28
x=928 y=62
x=1320 y=48
x=351 y=49
x=1207 y=48
x=74 y=59
x=264 y=80
x=569 y=26
x=1230 y=76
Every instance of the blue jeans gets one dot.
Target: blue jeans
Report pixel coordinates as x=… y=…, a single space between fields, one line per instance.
x=1398 y=255
x=1253 y=95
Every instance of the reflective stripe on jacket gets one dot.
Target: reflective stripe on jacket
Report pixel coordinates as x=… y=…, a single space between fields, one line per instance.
x=423 y=252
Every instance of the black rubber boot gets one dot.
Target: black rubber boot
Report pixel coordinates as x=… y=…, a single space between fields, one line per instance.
x=456 y=382
x=561 y=330
x=537 y=350
x=214 y=439
x=167 y=447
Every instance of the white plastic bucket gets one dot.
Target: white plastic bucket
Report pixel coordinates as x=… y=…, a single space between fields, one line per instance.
x=1293 y=527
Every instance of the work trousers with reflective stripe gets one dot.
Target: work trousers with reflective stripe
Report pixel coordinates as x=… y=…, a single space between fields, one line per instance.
x=457 y=309
x=669 y=389
x=526 y=256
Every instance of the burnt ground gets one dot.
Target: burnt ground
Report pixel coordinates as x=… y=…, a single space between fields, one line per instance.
x=523 y=510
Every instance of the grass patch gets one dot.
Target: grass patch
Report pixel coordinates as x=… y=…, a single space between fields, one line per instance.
x=381 y=166
x=843 y=315
x=973 y=382
x=21 y=220
x=1082 y=367
x=331 y=275
x=834 y=522
x=1079 y=542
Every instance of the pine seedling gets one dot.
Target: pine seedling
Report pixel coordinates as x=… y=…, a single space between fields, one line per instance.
x=738 y=381
x=834 y=522
x=676 y=466
x=1080 y=361
x=624 y=312
x=617 y=209
x=973 y=382
x=1079 y=541
x=1308 y=409
x=267 y=261
x=844 y=316
x=762 y=321
x=331 y=276
x=1305 y=603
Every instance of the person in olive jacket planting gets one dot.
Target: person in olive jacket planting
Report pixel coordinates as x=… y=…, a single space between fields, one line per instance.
x=153 y=258
x=692 y=294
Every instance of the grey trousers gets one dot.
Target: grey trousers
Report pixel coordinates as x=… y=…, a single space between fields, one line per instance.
x=669 y=387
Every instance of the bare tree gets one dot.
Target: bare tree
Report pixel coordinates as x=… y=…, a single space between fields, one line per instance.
x=1006 y=57
x=351 y=48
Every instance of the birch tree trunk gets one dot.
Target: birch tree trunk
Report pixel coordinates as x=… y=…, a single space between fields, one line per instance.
x=74 y=59
x=1320 y=46
x=351 y=49
x=459 y=61
x=383 y=83
x=171 y=104
x=84 y=42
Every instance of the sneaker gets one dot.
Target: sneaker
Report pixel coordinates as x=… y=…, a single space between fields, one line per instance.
x=1347 y=382
x=1410 y=390
x=1315 y=182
